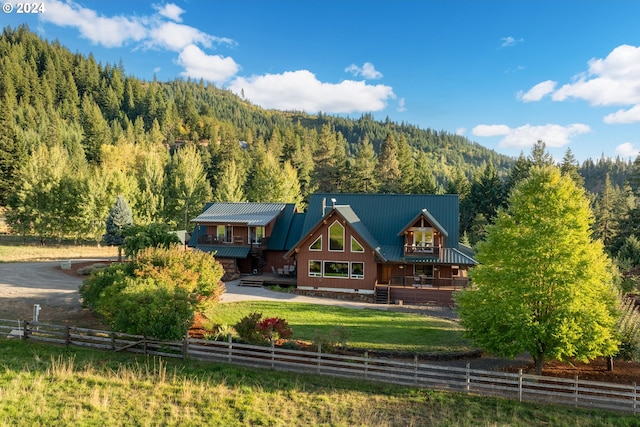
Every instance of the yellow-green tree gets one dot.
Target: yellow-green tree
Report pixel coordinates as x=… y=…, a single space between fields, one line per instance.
x=543 y=285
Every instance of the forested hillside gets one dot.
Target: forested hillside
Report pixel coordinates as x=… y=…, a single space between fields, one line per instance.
x=76 y=133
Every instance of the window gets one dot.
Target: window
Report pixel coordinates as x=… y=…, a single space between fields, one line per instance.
x=315 y=268
x=356 y=246
x=424 y=270
x=336 y=269
x=221 y=233
x=316 y=245
x=257 y=234
x=336 y=237
x=423 y=237
x=357 y=270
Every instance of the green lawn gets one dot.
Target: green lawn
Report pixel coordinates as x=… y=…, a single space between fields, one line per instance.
x=45 y=385
x=369 y=329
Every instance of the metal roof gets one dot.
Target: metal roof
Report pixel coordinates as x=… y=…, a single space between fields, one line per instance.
x=226 y=251
x=434 y=222
x=385 y=215
x=251 y=214
x=281 y=229
x=449 y=256
x=352 y=218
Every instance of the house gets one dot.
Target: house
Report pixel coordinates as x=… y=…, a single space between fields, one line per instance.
x=397 y=247
x=391 y=247
x=247 y=238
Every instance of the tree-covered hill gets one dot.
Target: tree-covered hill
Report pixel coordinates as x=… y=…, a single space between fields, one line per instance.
x=75 y=134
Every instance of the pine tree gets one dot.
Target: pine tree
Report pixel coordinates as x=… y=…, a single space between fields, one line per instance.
x=120 y=217
x=388 y=170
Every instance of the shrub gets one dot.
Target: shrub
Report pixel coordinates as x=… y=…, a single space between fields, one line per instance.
x=157 y=294
x=253 y=329
x=329 y=340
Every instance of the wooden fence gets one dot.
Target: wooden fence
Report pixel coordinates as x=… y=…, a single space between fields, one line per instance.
x=524 y=387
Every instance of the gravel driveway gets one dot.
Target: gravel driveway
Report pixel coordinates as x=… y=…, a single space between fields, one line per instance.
x=24 y=284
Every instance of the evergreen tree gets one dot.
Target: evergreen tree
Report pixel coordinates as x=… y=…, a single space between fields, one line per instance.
x=119 y=219
x=388 y=170
x=12 y=152
x=424 y=182
x=362 y=178
x=569 y=167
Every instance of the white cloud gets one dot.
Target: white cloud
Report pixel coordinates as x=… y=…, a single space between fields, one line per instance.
x=461 y=131
x=631 y=115
x=107 y=31
x=525 y=136
x=538 y=92
x=627 y=150
x=510 y=41
x=614 y=80
x=490 y=130
x=368 y=71
x=213 y=68
x=170 y=11
x=175 y=37
x=301 y=90
x=401 y=105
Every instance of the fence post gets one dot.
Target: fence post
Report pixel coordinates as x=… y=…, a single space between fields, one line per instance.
x=273 y=354
x=635 y=398
x=319 y=357
x=113 y=341
x=230 y=347
x=575 y=392
x=468 y=386
x=144 y=344
x=25 y=331
x=67 y=338
x=415 y=369
x=185 y=347
x=366 y=365
x=520 y=385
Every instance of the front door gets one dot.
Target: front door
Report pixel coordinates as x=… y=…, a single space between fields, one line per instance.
x=384 y=273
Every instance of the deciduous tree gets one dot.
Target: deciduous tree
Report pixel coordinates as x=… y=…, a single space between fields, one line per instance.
x=543 y=285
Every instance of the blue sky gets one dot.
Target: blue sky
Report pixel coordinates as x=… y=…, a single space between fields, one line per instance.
x=502 y=73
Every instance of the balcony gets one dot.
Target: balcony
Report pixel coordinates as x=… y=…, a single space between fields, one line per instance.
x=416 y=250
x=236 y=240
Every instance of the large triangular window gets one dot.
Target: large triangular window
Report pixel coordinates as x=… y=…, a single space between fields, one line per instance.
x=316 y=245
x=356 y=246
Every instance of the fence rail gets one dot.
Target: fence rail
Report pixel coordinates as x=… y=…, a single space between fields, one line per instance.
x=520 y=386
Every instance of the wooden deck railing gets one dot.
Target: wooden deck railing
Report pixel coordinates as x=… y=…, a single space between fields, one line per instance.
x=520 y=386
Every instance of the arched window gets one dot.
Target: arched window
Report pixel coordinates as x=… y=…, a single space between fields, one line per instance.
x=336 y=237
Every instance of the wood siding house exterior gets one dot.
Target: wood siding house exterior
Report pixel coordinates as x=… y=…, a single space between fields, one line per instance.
x=394 y=246
x=248 y=238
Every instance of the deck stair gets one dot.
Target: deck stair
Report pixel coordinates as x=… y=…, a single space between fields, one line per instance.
x=382 y=295
x=252 y=281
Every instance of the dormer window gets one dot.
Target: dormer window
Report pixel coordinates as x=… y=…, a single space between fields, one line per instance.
x=423 y=237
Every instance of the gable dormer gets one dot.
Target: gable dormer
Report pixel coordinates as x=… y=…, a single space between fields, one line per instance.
x=423 y=235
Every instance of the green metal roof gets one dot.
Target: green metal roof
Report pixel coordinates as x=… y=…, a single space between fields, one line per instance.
x=226 y=251
x=352 y=218
x=251 y=214
x=449 y=256
x=386 y=215
x=434 y=222
x=281 y=229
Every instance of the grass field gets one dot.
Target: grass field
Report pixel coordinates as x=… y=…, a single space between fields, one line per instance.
x=49 y=385
x=13 y=249
x=368 y=329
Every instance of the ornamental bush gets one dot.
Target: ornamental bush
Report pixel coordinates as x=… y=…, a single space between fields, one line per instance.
x=253 y=329
x=156 y=295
